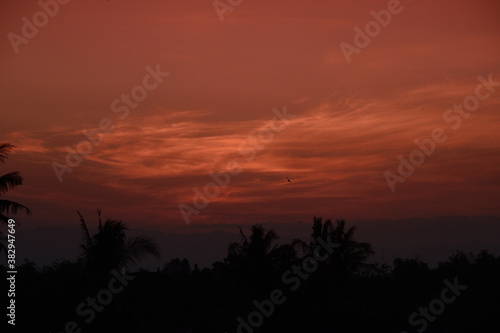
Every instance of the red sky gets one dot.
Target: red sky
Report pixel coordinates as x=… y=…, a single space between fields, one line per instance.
x=352 y=120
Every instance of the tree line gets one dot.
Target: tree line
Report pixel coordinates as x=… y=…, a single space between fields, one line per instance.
x=260 y=286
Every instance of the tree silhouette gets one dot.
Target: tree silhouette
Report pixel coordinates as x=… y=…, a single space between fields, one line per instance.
x=332 y=286
x=350 y=255
x=409 y=269
x=257 y=247
x=8 y=182
x=110 y=248
x=220 y=298
x=107 y=250
x=250 y=263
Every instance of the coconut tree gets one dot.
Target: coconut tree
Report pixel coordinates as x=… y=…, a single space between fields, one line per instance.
x=8 y=182
x=251 y=262
x=110 y=248
x=107 y=250
x=333 y=285
x=350 y=254
x=256 y=247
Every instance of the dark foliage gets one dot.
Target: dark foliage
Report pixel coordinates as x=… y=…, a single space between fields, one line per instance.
x=342 y=293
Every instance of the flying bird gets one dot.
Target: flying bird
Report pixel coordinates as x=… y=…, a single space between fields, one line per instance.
x=288 y=179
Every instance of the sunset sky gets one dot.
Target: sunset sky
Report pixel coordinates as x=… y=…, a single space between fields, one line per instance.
x=351 y=120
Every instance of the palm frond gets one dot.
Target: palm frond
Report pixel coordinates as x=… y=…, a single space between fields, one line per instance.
x=9 y=181
x=139 y=247
x=10 y=207
x=5 y=148
x=86 y=234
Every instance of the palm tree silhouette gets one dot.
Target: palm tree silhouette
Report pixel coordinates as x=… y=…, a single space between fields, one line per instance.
x=252 y=260
x=350 y=254
x=110 y=248
x=107 y=250
x=8 y=182
x=336 y=274
x=255 y=248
